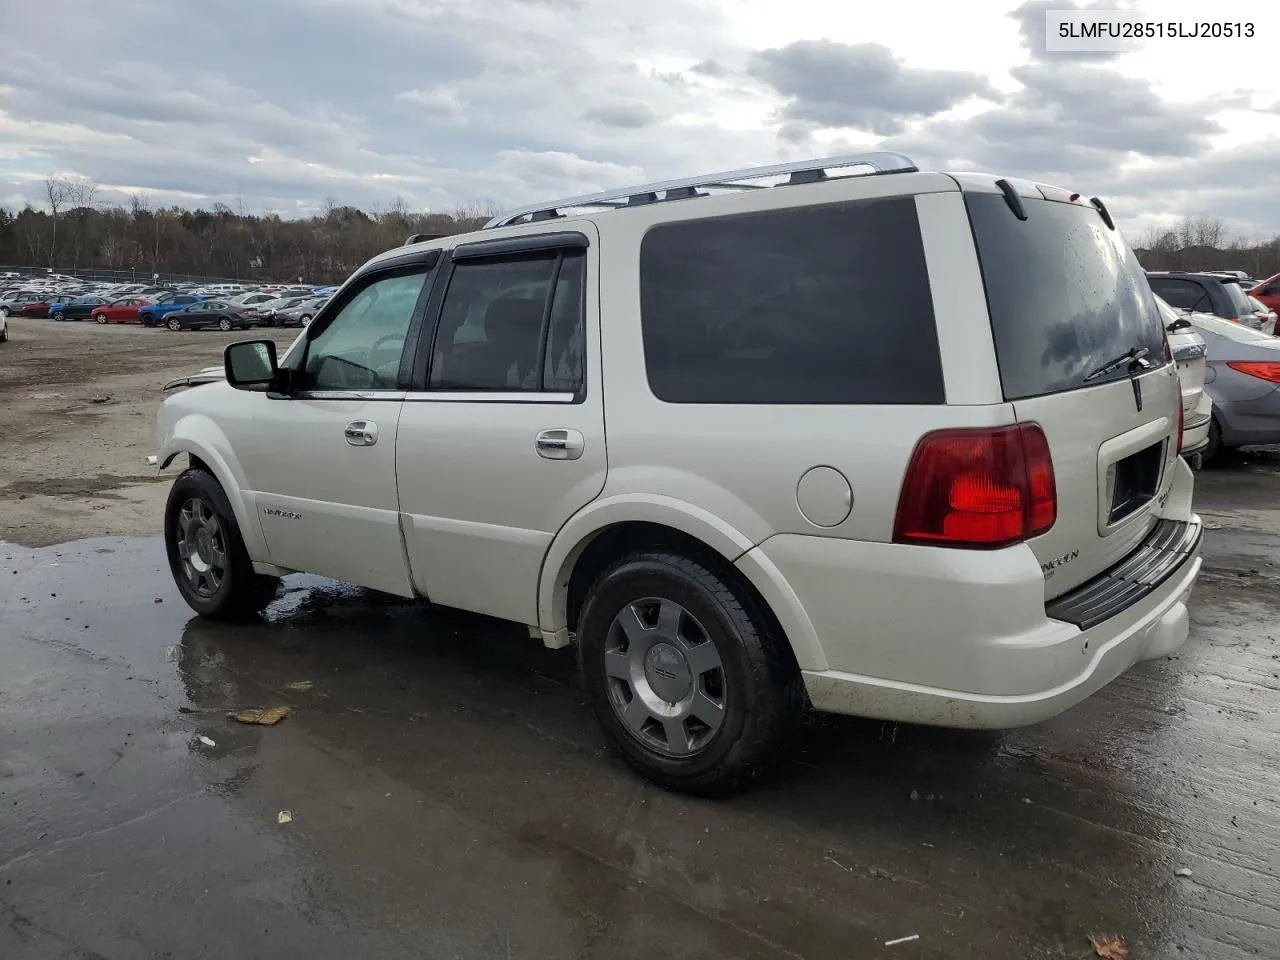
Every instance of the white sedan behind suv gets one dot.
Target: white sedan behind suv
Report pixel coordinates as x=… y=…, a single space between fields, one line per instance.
x=901 y=445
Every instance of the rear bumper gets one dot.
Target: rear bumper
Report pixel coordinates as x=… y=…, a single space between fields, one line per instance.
x=955 y=638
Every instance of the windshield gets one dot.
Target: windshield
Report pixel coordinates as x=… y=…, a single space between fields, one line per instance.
x=1065 y=294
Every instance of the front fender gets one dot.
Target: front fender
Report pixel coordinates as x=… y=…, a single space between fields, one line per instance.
x=198 y=436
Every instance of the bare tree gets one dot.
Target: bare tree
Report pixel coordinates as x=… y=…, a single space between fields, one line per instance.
x=58 y=192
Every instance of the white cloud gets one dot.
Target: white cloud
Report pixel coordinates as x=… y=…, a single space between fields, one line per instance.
x=444 y=102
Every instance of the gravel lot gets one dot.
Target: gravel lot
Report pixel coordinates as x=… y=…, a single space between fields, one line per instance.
x=79 y=404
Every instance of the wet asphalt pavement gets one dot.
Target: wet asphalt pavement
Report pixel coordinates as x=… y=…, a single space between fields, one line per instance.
x=451 y=796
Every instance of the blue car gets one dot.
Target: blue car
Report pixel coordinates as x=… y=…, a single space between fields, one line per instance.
x=154 y=313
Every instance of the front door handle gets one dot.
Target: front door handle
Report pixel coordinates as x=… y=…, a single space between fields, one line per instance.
x=361 y=433
x=560 y=444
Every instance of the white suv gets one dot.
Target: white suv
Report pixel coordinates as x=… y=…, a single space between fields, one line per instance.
x=903 y=445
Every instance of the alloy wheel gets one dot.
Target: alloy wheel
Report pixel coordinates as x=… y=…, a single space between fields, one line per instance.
x=665 y=677
x=202 y=547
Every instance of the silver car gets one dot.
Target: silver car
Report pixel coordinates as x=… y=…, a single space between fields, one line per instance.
x=1243 y=378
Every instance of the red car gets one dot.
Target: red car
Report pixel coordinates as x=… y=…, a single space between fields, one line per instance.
x=120 y=311
x=1268 y=291
x=39 y=309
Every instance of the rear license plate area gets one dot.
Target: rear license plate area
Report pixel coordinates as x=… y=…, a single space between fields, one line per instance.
x=1133 y=481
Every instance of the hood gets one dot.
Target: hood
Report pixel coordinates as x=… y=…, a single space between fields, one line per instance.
x=205 y=375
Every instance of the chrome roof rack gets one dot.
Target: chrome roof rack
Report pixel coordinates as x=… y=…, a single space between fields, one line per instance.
x=800 y=171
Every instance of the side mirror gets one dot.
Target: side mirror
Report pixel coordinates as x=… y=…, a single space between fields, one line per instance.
x=251 y=364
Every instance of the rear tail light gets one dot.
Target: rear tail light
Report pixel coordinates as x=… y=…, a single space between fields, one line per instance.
x=1263 y=370
x=978 y=488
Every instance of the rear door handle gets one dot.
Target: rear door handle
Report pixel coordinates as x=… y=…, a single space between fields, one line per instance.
x=361 y=433
x=560 y=444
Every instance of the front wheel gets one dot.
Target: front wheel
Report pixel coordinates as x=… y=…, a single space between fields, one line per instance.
x=207 y=556
x=174 y=324
x=101 y=318
x=691 y=680
x=59 y=315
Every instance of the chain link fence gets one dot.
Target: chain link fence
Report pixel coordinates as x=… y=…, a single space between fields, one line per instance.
x=116 y=276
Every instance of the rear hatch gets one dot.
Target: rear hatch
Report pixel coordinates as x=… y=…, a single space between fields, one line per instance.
x=1082 y=352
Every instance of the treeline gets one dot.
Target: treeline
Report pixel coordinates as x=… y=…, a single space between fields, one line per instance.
x=1202 y=243
x=77 y=232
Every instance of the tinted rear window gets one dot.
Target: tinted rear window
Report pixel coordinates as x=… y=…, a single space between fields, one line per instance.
x=1066 y=295
x=818 y=305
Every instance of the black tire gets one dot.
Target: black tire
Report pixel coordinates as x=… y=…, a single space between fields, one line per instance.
x=240 y=593
x=59 y=315
x=101 y=318
x=224 y=324
x=759 y=683
x=174 y=323
x=1214 y=449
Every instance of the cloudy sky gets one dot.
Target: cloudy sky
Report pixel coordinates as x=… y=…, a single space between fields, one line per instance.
x=280 y=104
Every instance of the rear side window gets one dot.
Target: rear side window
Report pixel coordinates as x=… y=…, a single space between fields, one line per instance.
x=1239 y=299
x=1183 y=294
x=1066 y=295
x=811 y=305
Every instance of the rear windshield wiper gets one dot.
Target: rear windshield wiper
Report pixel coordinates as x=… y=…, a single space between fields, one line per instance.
x=1134 y=358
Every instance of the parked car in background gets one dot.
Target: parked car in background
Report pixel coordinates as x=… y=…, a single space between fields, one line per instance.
x=1268 y=292
x=1189 y=353
x=124 y=310
x=39 y=308
x=1205 y=293
x=1243 y=378
x=155 y=312
x=1266 y=316
x=15 y=301
x=210 y=313
x=4 y=327
x=300 y=315
x=267 y=311
x=79 y=308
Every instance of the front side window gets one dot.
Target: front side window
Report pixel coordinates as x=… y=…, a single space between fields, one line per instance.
x=361 y=347
x=513 y=324
x=810 y=305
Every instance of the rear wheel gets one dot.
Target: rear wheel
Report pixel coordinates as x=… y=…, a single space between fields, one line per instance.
x=304 y=320
x=687 y=674
x=207 y=556
x=224 y=324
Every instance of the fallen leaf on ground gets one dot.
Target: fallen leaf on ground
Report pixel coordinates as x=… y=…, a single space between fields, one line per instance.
x=266 y=717
x=284 y=816
x=207 y=742
x=1109 y=948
